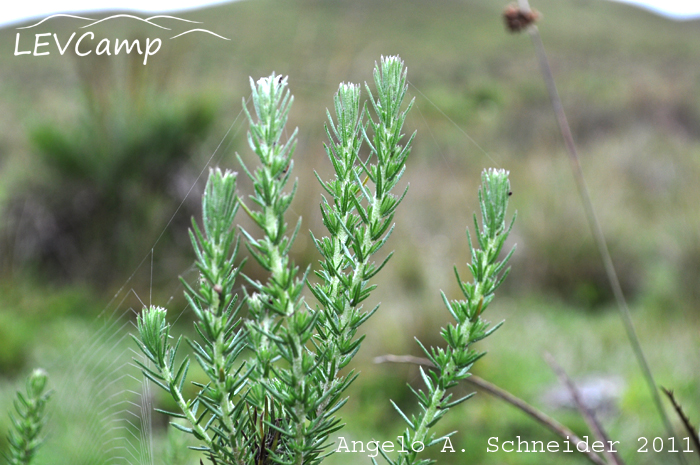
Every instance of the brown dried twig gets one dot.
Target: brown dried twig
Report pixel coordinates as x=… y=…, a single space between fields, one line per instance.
x=588 y=416
x=684 y=418
x=542 y=418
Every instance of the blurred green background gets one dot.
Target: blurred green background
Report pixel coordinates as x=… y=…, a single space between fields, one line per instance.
x=100 y=163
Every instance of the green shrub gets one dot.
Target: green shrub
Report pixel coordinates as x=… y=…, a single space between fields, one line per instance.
x=110 y=180
x=280 y=404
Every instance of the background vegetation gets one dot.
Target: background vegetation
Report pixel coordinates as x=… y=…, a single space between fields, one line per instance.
x=97 y=158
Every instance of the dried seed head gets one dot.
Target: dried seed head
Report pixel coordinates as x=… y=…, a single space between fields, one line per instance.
x=517 y=19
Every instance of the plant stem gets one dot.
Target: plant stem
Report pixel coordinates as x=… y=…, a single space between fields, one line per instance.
x=537 y=415
x=588 y=416
x=184 y=408
x=593 y=222
x=24 y=438
x=684 y=419
x=219 y=359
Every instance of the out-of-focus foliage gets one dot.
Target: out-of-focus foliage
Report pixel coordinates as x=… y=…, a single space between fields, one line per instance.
x=27 y=316
x=110 y=179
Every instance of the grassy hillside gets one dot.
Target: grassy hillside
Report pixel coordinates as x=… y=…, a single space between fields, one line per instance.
x=629 y=83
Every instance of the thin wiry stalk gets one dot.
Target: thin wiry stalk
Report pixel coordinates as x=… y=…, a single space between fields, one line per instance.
x=588 y=416
x=593 y=222
x=684 y=418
